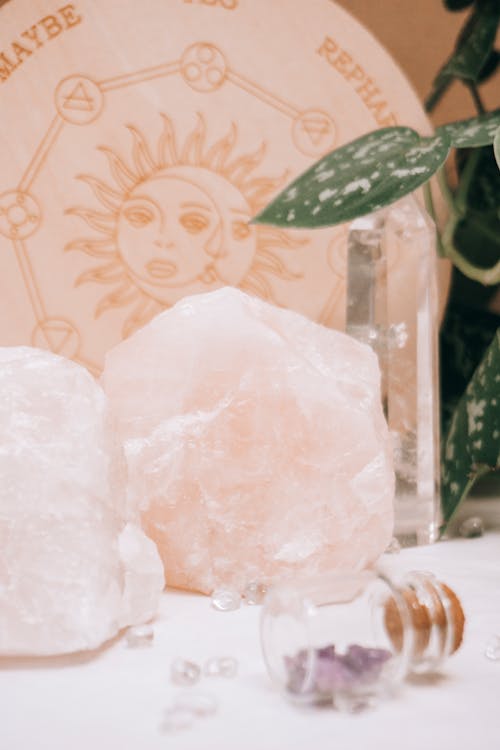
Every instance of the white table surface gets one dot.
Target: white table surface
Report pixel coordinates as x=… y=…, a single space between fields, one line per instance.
x=115 y=700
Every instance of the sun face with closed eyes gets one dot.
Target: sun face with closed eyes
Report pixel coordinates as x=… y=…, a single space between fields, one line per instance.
x=177 y=223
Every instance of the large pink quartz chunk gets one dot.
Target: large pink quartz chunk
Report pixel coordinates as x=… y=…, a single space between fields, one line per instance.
x=255 y=442
x=73 y=571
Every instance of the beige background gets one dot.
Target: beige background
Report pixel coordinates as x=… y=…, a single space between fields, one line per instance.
x=420 y=36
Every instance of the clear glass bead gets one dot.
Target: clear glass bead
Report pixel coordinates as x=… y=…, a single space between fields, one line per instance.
x=199 y=704
x=140 y=636
x=176 y=719
x=493 y=649
x=221 y=666
x=254 y=593
x=226 y=600
x=471 y=528
x=393 y=547
x=183 y=672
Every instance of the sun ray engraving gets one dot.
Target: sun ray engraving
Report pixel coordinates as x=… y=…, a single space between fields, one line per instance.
x=174 y=220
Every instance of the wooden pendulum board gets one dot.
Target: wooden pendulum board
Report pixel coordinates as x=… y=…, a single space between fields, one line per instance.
x=137 y=140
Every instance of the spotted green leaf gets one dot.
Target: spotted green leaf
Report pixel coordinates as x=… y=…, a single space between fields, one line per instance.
x=476 y=131
x=472 y=446
x=472 y=50
x=366 y=174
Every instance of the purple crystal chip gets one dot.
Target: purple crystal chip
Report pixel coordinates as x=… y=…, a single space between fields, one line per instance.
x=336 y=672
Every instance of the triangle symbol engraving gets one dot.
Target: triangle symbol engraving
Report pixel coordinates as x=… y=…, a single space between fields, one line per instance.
x=316 y=128
x=57 y=336
x=79 y=99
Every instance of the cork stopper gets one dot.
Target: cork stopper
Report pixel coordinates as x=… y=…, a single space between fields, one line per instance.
x=435 y=616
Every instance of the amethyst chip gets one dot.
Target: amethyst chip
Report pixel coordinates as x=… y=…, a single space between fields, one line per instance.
x=334 y=671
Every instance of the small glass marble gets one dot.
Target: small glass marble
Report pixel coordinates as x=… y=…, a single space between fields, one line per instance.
x=254 y=593
x=493 y=649
x=176 y=719
x=140 y=636
x=184 y=672
x=471 y=528
x=198 y=704
x=221 y=666
x=350 y=639
x=226 y=600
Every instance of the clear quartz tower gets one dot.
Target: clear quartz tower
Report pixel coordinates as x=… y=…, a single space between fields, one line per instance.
x=392 y=255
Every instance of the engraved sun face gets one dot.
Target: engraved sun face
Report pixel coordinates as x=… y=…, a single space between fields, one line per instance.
x=177 y=223
x=168 y=233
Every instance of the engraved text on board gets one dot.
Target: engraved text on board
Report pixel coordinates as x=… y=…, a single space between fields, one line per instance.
x=29 y=41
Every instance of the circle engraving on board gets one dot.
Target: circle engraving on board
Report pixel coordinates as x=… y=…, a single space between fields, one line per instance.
x=58 y=336
x=79 y=100
x=20 y=215
x=203 y=67
x=314 y=132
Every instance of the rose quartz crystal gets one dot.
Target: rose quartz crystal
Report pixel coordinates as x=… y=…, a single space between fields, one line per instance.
x=73 y=571
x=255 y=442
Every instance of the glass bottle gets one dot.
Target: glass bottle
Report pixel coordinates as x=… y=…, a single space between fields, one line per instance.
x=350 y=639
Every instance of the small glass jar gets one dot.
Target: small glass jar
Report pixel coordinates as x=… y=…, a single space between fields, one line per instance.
x=351 y=638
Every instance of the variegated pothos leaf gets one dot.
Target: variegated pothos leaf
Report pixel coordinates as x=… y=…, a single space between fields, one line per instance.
x=472 y=446
x=358 y=178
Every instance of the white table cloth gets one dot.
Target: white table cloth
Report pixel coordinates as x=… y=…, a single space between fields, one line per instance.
x=114 y=700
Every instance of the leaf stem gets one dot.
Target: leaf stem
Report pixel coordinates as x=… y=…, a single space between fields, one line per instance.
x=445 y=189
x=481 y=109
x=429 y=204
x=466 y=178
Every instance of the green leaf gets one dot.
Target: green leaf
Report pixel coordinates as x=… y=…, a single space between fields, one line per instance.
x=496 y=147
x=457 y=4
x=372 y=171
x=490 y=67
x=477 y=231
x=472 y=50
x=479 y=182
x=472 y=446
x=472 y=237
x=474 y=132
x=466 y=333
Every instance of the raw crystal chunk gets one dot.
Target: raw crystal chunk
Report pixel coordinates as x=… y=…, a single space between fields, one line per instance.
x=73 y=571
x=255 y=441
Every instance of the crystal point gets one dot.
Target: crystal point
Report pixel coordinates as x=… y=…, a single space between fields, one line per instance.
x=255 y=440
x=73 y=571
x=389 y=251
